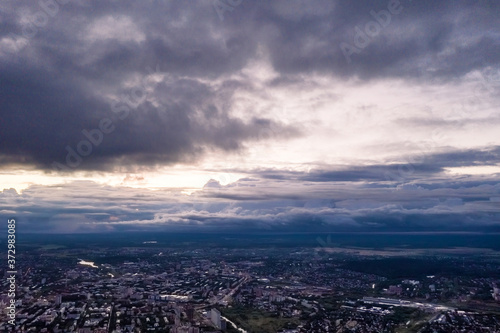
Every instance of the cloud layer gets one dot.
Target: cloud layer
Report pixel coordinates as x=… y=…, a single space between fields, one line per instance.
x=336 y=114
x=356 y=200
x=171 y=67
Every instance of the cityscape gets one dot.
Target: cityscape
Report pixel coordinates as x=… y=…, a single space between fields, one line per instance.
x=92 y=287
x=249 y=166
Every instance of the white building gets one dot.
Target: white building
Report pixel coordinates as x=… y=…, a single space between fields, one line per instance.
x=215 y=318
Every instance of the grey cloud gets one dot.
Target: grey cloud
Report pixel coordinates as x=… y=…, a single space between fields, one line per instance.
x=66 y=77
x=41 y=118
x=435 y=122
x=262 y=204
x=411 y=45
x=53 y=89
x=403 y=170
x=55 y=86
x=468 y=157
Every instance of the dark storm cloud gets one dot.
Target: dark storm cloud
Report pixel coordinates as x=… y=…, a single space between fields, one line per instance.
x=413 y=168
x=458 y=124
x=59 y=66
x=52 y=89
x=40 y=118
x=431 y=222
x=261 y=204
x=368 y=173
x=411 y=45
x=468 y=157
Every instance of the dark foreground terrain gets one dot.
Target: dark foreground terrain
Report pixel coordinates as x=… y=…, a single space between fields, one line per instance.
x=256 y=283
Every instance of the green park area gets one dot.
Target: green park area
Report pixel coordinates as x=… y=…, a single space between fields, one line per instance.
x=256 y=321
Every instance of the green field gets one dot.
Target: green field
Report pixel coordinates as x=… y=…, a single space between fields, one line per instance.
x=256 y=321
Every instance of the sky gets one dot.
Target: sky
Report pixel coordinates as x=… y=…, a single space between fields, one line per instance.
x=250 y=116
